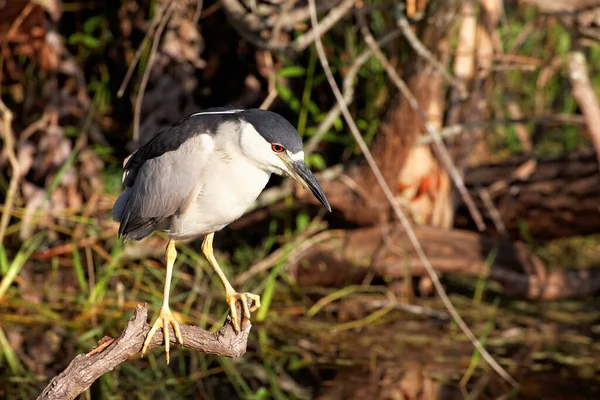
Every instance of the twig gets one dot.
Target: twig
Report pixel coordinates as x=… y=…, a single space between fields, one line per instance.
x=484 y=195
x=268 y=101
x=439 y=144
x=454 y=130
x=284 y=252
x=348 y=86
x=544 y=75
x=329 y=21
x=249 y=25
x=14 y=164
x=138 y=54
x=421 y=50
x=198 y=11
x=17 y=23
x=403 y=219
x=138 y=101
x=283 y=15
x=85 y=369
x=585 y=95
x=7 y=133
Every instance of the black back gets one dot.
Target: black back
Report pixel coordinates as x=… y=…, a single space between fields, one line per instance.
x=171 y=138
x=273 y=127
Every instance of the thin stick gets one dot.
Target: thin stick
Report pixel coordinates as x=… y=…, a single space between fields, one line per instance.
x=247 y=24
x=266 y=104
x=348 y=86
x=454 y=130
x=18 y=21
x=329 y=21
x=484 y=195
x=138 y=102
x=138 y=53
x=421 y=50
x=198 y=12
x=9 y=145
x=403 y=220
x=442 y=151
x=14 y=164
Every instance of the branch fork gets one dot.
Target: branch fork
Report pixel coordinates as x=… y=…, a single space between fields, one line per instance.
x=85 y=369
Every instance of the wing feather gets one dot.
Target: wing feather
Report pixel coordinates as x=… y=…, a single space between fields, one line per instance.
x=164 y=186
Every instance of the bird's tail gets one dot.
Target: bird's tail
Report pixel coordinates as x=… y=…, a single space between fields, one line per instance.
x=128 y=228
x=120 y=205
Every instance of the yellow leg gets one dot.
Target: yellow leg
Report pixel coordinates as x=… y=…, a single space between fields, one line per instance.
x=231 y=296
x=165 y=317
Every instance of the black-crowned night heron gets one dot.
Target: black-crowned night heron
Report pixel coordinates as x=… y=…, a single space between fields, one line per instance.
x=199 y=175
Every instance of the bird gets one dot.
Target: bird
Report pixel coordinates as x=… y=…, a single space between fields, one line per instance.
x=197 y=176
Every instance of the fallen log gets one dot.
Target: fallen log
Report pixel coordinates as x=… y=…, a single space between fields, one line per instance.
x=544 y=199
x=384 y=251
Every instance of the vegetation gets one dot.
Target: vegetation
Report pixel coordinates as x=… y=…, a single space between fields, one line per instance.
x=347 y=311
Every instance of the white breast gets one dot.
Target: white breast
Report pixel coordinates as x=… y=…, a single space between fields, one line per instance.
x=231 y=183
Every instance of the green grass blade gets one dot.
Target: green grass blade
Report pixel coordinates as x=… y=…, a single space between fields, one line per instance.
x=476 y=355
x=267 y=296
x=9 y=355
x=3 y=260
x=28 y=247
x=79 y=270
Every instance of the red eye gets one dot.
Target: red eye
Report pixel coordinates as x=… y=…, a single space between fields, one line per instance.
x=277 y=148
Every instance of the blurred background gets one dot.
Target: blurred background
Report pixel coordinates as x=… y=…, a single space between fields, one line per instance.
x=506 y=208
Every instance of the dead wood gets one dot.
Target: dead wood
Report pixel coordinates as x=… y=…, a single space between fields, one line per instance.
x=552 y=198
x=383 y=251
x=86 y=369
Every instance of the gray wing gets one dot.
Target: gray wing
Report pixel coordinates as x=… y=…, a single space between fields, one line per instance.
x=160 y=187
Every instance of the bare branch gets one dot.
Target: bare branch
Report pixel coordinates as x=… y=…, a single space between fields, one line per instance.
x=14 y=164
x=454 y=130
x=140 y=97
x=348 y=87
x=138 y=54
x=421 y=50
x=7 y=134
x=86 y=369
x=249 y=25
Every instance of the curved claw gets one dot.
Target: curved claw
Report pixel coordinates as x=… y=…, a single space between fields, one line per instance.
x=232 y=298
x=164 y=319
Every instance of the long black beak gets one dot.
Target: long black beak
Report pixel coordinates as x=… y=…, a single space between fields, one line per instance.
x=308 y=180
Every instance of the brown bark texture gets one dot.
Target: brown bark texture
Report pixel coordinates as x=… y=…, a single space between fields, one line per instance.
x=348 y=257
x=85 y=369
x=544 y=199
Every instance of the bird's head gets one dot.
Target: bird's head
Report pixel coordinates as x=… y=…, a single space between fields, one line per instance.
x=276 y=146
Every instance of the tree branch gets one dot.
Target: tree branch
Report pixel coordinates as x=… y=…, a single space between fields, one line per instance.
x=85 y=369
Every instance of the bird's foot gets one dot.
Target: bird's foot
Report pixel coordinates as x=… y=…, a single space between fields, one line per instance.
x=164 y=319
x=232 y=297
